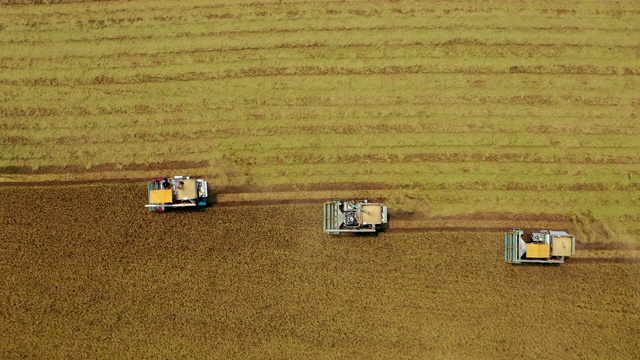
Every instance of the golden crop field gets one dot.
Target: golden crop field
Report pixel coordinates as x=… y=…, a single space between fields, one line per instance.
x=465 y=117
x=116 y=281
x=443 y=108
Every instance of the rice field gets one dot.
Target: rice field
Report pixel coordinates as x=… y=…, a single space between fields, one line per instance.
x=466 y=118
x=528 y=104
x=108 y=279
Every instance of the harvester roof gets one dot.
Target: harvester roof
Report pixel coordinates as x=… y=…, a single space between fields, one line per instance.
x=188 y=190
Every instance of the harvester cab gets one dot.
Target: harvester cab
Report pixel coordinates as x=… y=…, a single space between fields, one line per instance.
x=176 y=192
x=542 y=247
x=353 y=216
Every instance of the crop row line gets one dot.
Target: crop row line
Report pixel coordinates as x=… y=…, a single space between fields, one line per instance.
x=306 y=46
x=437 y=170
x=443 y=182
x=308 y=29
x=609 y=195
x=448 y=8
x=416 y=124
x=207 y=39
x=181 y=96
x=427 y=137
x=142 y=133
x=291 y=148
x=330 y=102
x=14 y=131
x=133 y=65
x=307 y=111
x=289 y=25
x=258 y=155
x=317 y=70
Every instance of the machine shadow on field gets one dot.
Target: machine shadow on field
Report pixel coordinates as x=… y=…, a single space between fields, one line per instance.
x=212 y=198
x=367 y=235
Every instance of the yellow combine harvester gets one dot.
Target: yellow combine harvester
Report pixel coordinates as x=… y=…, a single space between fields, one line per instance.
x=176 y=192
x=542 y=247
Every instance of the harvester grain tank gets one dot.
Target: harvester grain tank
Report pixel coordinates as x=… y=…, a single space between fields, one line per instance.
x=176 y=192
x=355 y=216
x=542 y=246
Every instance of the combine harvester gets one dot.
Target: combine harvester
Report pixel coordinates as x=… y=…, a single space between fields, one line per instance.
x=176 y=192
x=542 y=247
x=354 y=216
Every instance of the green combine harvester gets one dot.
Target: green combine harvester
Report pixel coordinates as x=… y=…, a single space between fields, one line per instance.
x=354 y=217
x=540 y=247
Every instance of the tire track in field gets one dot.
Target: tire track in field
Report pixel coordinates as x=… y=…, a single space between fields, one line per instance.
x=401 y=221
